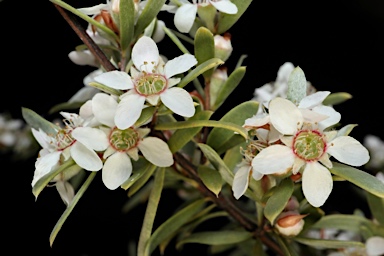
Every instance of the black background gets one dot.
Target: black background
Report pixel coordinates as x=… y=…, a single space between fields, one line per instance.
x=338 y=44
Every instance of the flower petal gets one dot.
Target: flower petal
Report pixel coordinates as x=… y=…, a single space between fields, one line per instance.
x=184 y=17
x=156 y=151
x=104 y=107
x=285 y=116
x=275 y=159
x=313 y=100
x=85 y=157
x=129 y=110
x=179 y=65
x=333 y=116
x=317 y=183
x=179 y=101
x=348 y=150
x=145 y=54
x=117 y=169
x=240 y=181
x=115 y=79
x=225 y=6
x=375 y=246
x=44 y=165
x=92 y=138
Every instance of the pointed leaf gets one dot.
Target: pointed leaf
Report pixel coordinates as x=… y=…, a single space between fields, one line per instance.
x=150 y=11
x=139 y=167
x=150 y=212
x=204 y=48
x=36 y=121
x=297 y=86
x=216 y=237
x=376 y=205
x=181 y=137
x=146 y=115
x=331 y=244
x=229 y=86
x=127 y=22
x=211 y=179
x=336 y=98
x=65 y=105
x=70 y=207
x=278 y=200
x=237 y=115
x=105 y=88
x=226 y=21
x=172 y=224
x=200 y=69
x=360 y=178
x=201 y=123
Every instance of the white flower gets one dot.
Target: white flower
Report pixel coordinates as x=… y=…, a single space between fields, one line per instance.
x=75 y=140
x=185 y=15
x=151 y=81
x=304 y=146
x=374 y=246
x=125 y=144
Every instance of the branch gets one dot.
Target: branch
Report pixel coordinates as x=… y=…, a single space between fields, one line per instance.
x=82 y=34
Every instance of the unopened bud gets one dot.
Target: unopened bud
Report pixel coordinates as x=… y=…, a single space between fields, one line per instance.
x=290 y=223
x=218 y=78
x=223 y=46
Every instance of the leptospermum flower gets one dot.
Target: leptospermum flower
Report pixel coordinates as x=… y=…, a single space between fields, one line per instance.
x=125 y=144
x=306 y=148
x=151 y=81
x=185 y=15
x=75 y=140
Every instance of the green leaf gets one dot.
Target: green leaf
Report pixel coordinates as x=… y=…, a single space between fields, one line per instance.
x=233 y=156
x=105 y=88
x=342 y=222
x=43 y=181
x=150 y=11
x=297 y=86
x=171 y=34
x=233 y=142
x=70 y=207
x=237 y=115
x=211 y=178
x=200 y=69
x=360 y=178
x=229 y=86
x=181 y=137
x=376 y=205
x=331 y=244
x=226 y=21
x=172 y=224
x=204 y=48
x=278 y=200
x=150 y=212
x=126 y=22
x=139 y=167
x=38 y=122
x=346 y=130
x=146 y=115
x=336 y=98
x=201 y=123
x=136 y=182
x=216 y=237
x=65 y=105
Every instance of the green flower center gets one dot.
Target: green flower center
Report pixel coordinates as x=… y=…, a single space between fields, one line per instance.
x=64 y=139
x=309 y=145
x=150 y=84
x=123 y=140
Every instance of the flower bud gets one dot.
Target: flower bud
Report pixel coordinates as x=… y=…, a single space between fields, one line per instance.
x=290 y=223
x=223 y=46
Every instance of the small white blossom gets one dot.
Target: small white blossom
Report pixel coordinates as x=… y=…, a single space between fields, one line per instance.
x=151 y=81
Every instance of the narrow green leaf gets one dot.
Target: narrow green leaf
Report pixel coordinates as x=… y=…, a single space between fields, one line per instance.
x=297 y=86
x=43 y=182
x=237 y=115
x=337 y=98
x=201 y=123
x=181 y=137
x=36 y=121
x=88 y=19
x=70 y=207
x=65 y=105
x=226 y=21
x=233 y=142
x=146 y=115
x=211 y=179
x=346 y=130
x=106 y=89
x=172 y=224
x=139 y=181
x=173 y=35
x=200 y=69
x=216 y=237
x=127 y=21
x=150 y=11
x=233 y=156
x=360 y=178
x=376 y=205
x=331 y=244
x=204 y=48
x=229 y=86
x=343 y=222
x=138 y=198
x=140 y=167
x=278 y=200
x=150 y=212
